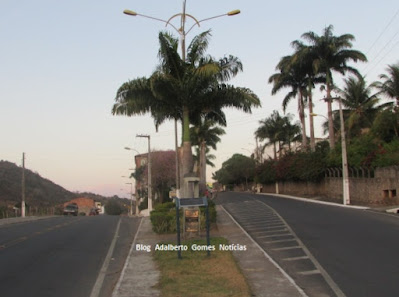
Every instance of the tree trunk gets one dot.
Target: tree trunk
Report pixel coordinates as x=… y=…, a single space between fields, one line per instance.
x=330 y=118
x=187 y=155
x=311 y=124
x=202 y=166
x=302 y=118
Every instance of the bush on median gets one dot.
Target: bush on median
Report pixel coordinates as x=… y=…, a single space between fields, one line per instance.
x=163 y=217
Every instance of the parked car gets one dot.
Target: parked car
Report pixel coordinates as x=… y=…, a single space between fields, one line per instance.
x=71 y=209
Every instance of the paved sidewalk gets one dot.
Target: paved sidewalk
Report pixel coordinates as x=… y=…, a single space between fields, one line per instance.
x=140 y=275
x=22 y=220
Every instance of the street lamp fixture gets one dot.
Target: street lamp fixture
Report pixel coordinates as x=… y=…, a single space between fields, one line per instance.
x=132 y=149
x=130 y=12
x=233 y=12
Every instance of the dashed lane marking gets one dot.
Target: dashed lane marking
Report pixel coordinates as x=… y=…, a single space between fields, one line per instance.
x=310 y=272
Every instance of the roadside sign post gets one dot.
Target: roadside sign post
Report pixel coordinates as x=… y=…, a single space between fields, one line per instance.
x=189 y=203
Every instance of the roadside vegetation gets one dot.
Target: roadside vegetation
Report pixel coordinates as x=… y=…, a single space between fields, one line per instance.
x=163 y=217
x=370 y=112
x=193 y=90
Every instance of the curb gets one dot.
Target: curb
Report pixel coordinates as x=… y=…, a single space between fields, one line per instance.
x=315 y=201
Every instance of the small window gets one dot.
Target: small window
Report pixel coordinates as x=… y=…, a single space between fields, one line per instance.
x=389 y=193
x=385 y=193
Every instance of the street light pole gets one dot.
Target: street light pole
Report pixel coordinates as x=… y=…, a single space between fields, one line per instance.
x=131 y=198
x=23 y=187
x=345 y=175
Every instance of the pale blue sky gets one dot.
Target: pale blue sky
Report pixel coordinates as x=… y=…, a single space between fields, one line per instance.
x=61 y=63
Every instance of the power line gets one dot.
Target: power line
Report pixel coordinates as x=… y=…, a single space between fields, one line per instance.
x=383 y=31
x=384 y=56
x=379 y=53
x=383 y=48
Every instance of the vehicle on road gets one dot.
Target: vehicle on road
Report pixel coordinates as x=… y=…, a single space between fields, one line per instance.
x=71 y=209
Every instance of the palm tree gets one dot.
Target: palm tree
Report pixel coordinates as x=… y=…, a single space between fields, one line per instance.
x=390 y=84
x=360 y=105
x=332 y=53
x=205 y=135
x=303 y=57
x=278 y=130
x=180 y=88
x=291 y=132
x=292 y=75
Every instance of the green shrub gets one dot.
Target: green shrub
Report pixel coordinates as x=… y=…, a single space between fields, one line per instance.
x=163 y=217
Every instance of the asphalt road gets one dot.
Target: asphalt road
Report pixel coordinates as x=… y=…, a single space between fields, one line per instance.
x=327 y=250
x=62 y=256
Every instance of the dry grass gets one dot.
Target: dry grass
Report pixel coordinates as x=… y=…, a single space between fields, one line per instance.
x=196 y=274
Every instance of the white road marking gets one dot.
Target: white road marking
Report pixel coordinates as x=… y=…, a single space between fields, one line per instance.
x=95 y=292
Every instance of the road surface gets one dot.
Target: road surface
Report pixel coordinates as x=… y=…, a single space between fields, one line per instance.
x=327 y=250
x=63 y=256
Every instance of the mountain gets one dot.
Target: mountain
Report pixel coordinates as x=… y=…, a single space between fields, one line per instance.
x=39 y=191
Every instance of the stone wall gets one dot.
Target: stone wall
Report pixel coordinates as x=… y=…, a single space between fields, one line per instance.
x=382 y=188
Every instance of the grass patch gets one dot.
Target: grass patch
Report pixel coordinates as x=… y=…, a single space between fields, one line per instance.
x=199 y=275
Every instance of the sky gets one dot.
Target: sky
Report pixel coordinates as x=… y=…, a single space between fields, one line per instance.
x=61 y=63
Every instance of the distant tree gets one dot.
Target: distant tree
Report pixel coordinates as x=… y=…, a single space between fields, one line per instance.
x=239 y=169
x=386 y=125
x=390 y=84
x=278 y=130
x=113 y=207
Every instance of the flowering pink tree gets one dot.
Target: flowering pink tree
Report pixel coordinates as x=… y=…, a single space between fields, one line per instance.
x=163 y=172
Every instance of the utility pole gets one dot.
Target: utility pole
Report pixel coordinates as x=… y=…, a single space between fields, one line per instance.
x=345 y=174
x=23 y=186
x=149 y=172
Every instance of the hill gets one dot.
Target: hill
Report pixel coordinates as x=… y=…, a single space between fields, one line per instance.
x=39 y=191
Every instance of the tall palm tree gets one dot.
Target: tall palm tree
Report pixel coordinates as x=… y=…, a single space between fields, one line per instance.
x=180 y=88
x=331 y=54
x=303 y=57
x=390 y=84
x=292 y=75
x=205 y=135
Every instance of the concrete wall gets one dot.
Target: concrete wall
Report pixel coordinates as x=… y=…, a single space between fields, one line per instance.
x=383 y=188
